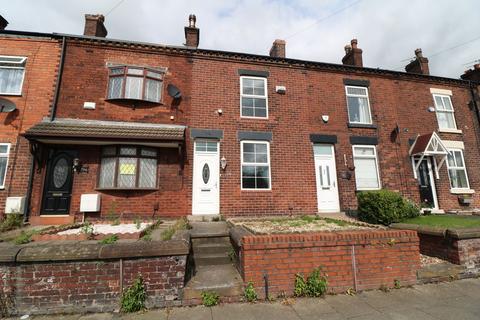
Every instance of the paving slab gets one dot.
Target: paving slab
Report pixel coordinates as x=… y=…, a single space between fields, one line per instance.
x=160 y=314
x=264 y=311
x=350 y=306
x=97 y=316
x=312 y=308
x=407 y=314
x=190 y=313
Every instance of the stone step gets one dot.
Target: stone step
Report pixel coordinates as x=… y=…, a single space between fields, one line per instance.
x=211 y=259
x=210 y=240
x=222 y=279
x=206 y=248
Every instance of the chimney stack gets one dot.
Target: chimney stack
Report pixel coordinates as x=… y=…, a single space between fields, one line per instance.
x=94 y=26
x=278 y=49
x=353 y=54
x=3 y=23
x=472 y=74
x=192 y=33
x=419 y=64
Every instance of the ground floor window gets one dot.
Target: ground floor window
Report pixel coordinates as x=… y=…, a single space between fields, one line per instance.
x=255 y=165
x=457 y=171
x=4 y=151
x=366 y=167
x=128 y=167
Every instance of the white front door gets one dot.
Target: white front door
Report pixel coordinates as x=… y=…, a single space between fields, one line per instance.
x=206 y=178
x=326 y=174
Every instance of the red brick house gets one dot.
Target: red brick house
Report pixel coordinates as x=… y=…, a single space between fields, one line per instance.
x=142 y=129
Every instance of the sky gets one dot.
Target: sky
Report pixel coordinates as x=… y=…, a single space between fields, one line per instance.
x=388 y=31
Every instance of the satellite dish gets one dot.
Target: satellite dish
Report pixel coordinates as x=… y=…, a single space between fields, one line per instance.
x=7 y=105
x=173 y=91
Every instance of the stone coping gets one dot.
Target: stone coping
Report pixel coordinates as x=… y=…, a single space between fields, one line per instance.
x=237 y=233
x=464 y=233
x=92 y=250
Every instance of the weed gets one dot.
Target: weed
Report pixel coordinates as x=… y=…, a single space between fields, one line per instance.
x=250 y=294
x=396 y=284
x=109 y=240
x=340 y=223
x=11 y=221
x=315 y=285
x=308 y=219
x=180 y=224
x=232 y=254
x=168 y=233
x=138 y=223
x=210 y=298
x=147 y=236
x=351 y=292
x=87 y=229
x=23 y=238
x=133 y=299
x=384 y=288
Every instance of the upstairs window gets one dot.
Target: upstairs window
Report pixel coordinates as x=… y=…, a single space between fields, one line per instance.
x=445 y=113
x=358 y=105
x=253 y=95
x=12 y=71
x=457 y=171
x=128 y=167
x=135 y=83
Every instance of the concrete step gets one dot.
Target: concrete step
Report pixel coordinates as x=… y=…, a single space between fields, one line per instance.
x=211 y=259
x=225 y=240
x=209 y=229
x=206 y=248
x=222 y=279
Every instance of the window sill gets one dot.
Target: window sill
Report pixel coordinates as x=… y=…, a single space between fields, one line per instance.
x=257 y=118
x=126 y=189
x=462 y=191
x=361 y=125
x=368 y=189
x=133 y=100
x=450 y=131
x=255 y=190
x=11 y=94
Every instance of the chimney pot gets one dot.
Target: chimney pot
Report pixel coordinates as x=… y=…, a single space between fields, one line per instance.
x=3 y=23
x=419 y=65
x=418 y=53
x=94 y=26
x=353 y=54
x=192 y=33
x=278 y=49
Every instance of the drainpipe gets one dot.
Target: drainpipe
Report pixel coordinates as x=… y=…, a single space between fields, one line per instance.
x=26 y=209
x=59 y=80
x=475 y=105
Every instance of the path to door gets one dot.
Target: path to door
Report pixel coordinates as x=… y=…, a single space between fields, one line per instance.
x=453 y=300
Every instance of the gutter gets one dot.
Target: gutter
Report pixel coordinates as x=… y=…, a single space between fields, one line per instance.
x=59 y=80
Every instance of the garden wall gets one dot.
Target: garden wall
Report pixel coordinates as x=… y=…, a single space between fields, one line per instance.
x=89 y=277
x=359 y=260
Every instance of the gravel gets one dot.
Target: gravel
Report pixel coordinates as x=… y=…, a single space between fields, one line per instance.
x=109 y=229
x=427 y=260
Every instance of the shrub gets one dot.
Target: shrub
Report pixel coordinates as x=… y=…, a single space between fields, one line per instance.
x=315 y=285
x=110 y=239
x=250 y=294
x=210 y=298
x=133 y=299
x=11 y=221
x=384 y=207
x=23 y=238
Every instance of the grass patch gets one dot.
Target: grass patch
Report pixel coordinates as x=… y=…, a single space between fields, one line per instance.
x=446 y=221
x=109 y=240
x=180 y=224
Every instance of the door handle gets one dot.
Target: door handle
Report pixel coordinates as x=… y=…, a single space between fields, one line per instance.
x=205 y=190
x=57 y=194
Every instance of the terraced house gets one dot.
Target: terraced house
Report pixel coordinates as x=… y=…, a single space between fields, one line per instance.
x=96 y=126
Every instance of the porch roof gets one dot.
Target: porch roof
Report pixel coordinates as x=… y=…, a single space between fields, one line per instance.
x=428 y=145
x=95 y=130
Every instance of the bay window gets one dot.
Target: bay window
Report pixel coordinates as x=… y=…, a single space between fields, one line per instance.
x=12 y=71
x=135 y=83
x=358 y=105
x=128 y=167
x=255 y=165
x=457 y=172
x=366 y=167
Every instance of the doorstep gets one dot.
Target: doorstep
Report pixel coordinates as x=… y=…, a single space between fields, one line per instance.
x=49 y=220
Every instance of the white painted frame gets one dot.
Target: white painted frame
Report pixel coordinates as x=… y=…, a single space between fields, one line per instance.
x=359 y=96
x=255 y=164
x=333 y=159
x=457 y=190
x=22 y=64
x=254 y=96
x=430 y=164
x=367 y=157
x=5 y=155
x=452 y=112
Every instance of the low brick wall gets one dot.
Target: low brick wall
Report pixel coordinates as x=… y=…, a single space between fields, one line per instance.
x=88 y=277
x=459 y=246
x=358 y=259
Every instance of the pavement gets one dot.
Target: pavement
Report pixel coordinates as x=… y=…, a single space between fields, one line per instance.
x=451 y=300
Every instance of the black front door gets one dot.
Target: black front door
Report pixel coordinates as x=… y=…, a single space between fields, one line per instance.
x=57 y=189
x=425 y=184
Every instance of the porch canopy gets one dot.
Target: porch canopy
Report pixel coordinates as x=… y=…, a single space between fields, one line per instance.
x=428 y=145
x=95 y=132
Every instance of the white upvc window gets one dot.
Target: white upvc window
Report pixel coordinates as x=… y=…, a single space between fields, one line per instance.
x=444 y=111
x=253 y=97
x=12 y=73
x=358 y=105
x=367 y=175
x=255 y=164
x=4 y=153
x=457 y=172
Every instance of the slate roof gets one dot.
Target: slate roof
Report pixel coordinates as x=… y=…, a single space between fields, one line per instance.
x=94 y=129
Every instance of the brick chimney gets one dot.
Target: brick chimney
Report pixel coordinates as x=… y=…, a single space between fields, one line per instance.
x=278 y=49
x=419 y=64
x=94 y=26
x=3 y=23
x=192 y=33
x=353 y=55
x=472 y=74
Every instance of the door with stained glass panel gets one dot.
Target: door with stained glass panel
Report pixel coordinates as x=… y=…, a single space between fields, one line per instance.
x=57 y=190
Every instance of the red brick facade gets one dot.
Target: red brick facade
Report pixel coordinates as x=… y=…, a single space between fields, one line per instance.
x=358 y=260
x=210 y=81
